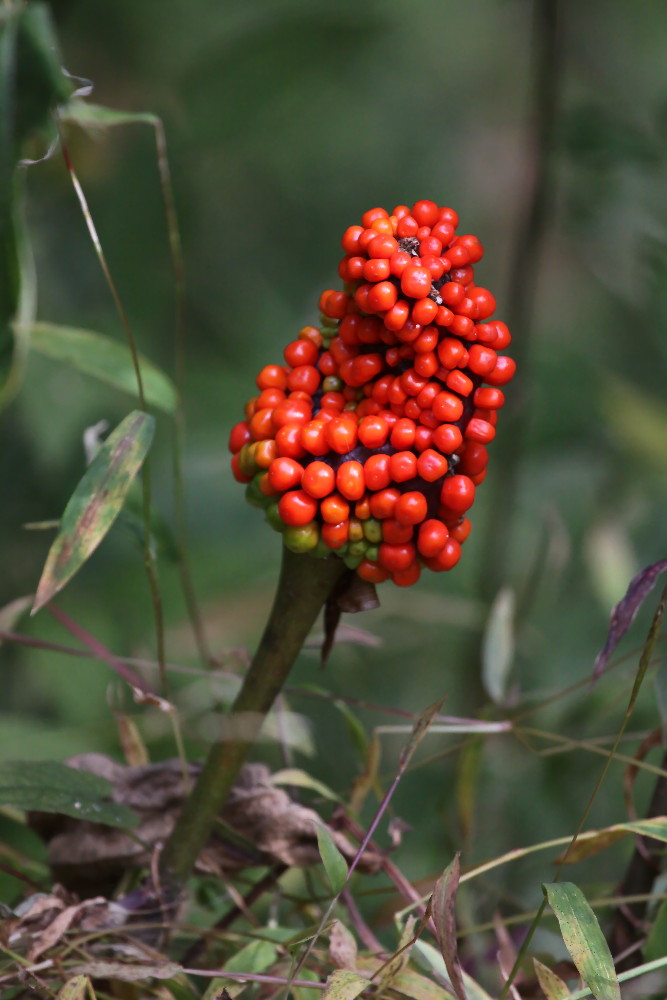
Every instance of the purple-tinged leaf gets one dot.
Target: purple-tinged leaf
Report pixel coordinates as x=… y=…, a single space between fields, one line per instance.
x=626 y=610
x=443 y=902
x=96 y=503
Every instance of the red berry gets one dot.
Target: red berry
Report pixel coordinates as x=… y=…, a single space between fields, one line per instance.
x=447 y=558
x=416 y=281
x=407 y=577
x=238 y=436
x=296 y=508
x=396 y=557
x=381 y=297
x=350 y=480
x=458 y=493
x=318 y=479
x=403 y=466
x=411 y=508
x=382 y=246
x=447 y=407
x=431 y=465
x=481 y=360
x=502 y=373
x=433 y=535
x=426 y=213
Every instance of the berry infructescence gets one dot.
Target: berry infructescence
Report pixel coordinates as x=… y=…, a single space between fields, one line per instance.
x=369 y=441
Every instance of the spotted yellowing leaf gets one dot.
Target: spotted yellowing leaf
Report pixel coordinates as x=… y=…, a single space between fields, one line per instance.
x=584 y=939
x=95 y=503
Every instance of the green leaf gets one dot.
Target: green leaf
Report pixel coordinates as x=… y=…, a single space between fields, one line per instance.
x=253 y=958
x=95 y=503
x=301 y=779
x=335 y=864
x=594 y=841
x=431 y=959
x=75 y=988
x=443 y=903
x=399 y=959
x=94 y=116
x=551 y=985
x=655 y=943
x=12 y=613
x=344 y=985
x=105 y=359
x=498 y=646
x=48 y=786
x=32 y=84
x=304 y=992
x=583 y=939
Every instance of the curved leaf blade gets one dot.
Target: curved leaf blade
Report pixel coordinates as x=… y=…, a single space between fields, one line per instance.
x=551 y=985
x=583 y=939
x=95 y=503
x=105 y=359
x=443 y=903
x=48 y=786
x=32 y=85
x=75 y=988
x=345 y=985
x=335 y=864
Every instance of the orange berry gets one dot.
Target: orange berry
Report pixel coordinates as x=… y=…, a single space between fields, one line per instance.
x=350 y=480
x=296 y=508
x=318 y=479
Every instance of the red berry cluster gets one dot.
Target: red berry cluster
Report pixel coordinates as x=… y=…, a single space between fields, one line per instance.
x=371 y=438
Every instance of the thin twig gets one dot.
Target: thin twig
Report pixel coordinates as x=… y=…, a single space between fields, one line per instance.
x=178 y=438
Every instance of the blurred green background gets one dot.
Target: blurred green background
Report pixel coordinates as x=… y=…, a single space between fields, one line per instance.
x=285 y=120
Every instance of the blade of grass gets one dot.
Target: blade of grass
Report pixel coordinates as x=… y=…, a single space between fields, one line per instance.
x=421 y=727
x=149 y=559
x=92 y=116
x=644 y=661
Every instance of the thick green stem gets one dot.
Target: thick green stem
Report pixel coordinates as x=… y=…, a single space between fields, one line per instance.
x=305 y=584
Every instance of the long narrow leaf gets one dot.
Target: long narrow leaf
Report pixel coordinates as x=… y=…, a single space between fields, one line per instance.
x=335 y=864
x=47 y=786
x=105 y=359
x=32 y=84
x=583 y=939
x=95 y=503
x=443 y=904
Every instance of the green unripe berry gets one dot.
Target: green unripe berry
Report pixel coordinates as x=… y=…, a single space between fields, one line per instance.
x=303 y=538
x=357 y=549
x=372 y=530
x=254 y=495
x=273 y=518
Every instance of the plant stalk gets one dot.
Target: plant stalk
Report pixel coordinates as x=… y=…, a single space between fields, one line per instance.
x=305 y=584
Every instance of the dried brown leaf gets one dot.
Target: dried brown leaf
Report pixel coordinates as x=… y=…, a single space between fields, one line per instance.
x=342 y=946
x=443 y=902
x=260 y=824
